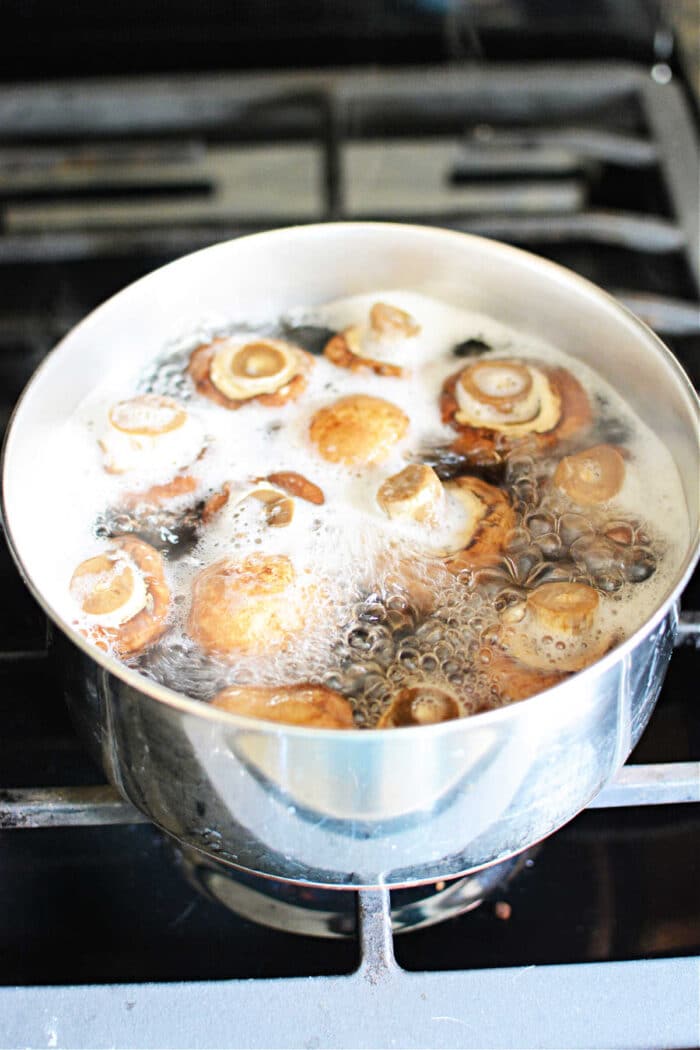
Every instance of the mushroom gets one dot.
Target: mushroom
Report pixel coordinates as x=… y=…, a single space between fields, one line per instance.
x=592 y=476
x=515 y=681
x=389 y=322
x=248 y=606
x=313 y=706
x=557 y=631
x=122 y=596
x=277 y=506
x=297 y=485
x=490 y=519
x=150 y=432
x=357 y=429
x=420 y=706
x=233 y=372
x=414 y=493
x=497 y=403
x=356 y=348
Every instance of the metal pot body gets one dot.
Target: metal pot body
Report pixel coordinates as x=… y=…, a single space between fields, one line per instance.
x=359 y=808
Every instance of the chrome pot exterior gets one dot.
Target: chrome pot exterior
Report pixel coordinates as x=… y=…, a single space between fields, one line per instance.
x=360 y=808
x=420 y=806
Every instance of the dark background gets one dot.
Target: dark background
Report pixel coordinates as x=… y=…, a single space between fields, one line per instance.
x=44 y=38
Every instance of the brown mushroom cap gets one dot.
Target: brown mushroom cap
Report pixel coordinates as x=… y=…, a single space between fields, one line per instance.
x=248 y=605
x=309 y=705
x=157 y=495
x=592 y=476
x=357 y=429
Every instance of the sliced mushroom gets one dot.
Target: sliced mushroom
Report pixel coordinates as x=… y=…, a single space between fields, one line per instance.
x=122 y=596
x=358 y=429
x=314 y=706
x=233 y=373
x=415 y=492
x=592 y=476
x=149 y=432
x=420 y=706
x=297 y=485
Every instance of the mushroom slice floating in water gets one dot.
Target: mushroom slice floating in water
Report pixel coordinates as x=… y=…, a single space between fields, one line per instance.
x=498 y=403
x=367 y=346
x=233 y=372
x=559 y=628
x=314 y=706
x=249 y=605
x=357 y=429
x=150 y=433
x=297 y=485
x=122 y=596
x=592 y=476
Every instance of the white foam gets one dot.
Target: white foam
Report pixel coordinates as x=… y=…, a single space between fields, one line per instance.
x=341 y=543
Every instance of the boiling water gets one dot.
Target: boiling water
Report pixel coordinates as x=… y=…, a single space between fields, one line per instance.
x=379 y=627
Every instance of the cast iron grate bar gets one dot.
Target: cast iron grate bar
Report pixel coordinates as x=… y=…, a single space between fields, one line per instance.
x=642 y=233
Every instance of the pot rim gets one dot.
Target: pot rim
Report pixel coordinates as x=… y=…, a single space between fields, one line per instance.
x=197 y=708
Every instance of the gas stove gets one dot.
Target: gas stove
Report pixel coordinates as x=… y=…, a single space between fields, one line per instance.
x=111 y=936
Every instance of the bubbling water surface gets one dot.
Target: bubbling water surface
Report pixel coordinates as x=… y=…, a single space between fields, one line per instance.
x=389 y=617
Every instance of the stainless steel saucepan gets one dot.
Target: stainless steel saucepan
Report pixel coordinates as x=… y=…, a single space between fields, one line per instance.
x=355 y=807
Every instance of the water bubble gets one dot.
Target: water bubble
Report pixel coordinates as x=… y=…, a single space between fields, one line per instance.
x=572 y=527
x=550 y=545
x=540 y=523
x=639 y=565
